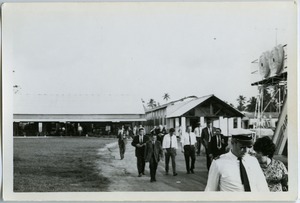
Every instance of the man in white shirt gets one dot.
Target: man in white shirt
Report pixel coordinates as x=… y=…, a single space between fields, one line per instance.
x=197 y=132
x=170 y=146
x=237 y=171
x=188 y=145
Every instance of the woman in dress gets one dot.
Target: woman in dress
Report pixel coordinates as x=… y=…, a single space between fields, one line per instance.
x=274 y=170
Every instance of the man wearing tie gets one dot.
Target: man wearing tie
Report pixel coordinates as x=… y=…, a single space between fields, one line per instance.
x=206 y=135
x=218 y=144
x=237 y=171
x=139 y=143
x=188 y=145
x=170 y=146
x=153 y=153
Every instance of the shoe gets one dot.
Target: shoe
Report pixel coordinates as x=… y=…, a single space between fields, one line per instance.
x=152 y=180
x=198 y=154
x=175 y=174
x=143 y=173
x=188 y=172
x=140 y=175
x=192 y=171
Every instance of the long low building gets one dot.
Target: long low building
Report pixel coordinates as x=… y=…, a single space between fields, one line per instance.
x=104 y=114
x=94 y=114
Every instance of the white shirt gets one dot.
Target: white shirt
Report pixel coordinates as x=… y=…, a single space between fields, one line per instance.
x=166 y=142
x=197 y=131
x=141 y=138
x=224 y=174
x=185 y=140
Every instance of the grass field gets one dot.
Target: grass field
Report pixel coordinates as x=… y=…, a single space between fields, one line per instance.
x=58 y=165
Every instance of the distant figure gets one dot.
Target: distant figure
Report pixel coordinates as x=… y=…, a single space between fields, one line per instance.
x=135 y=131
x=274 y=170
x=206 y=135
x=170 y=146
x=160 y=132
x=139 y=143
x=122 y=142
x=153 y=153
x=188 y=147
x=179 y=132
x=197 y=132
x=218 y=144
x=79 y=130
x=63 y=131
x=237 y=171
x=130 y=132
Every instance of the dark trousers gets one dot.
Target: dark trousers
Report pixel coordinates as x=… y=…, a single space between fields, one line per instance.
x=189 y=153
x=171 y=153
x=208 y=160
x=141 y=164
x=198 y=145
x=153 y=167
x=122 y=148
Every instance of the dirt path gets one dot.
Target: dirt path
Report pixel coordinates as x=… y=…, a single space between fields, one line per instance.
x=123 y=173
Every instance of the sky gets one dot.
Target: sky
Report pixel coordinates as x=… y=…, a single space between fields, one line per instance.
x=141 y=49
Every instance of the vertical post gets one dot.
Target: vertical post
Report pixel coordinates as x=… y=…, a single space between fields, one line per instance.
x=221 y=120
x=183 y=124
x=40 y=128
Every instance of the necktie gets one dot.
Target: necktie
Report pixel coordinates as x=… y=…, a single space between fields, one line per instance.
x=190 y=139
x=219 y=145
x=141 y=139
x=244 y=176
x=209 y=135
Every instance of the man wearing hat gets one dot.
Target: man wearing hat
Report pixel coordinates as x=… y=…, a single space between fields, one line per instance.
x=139 y=143
x=237 y=171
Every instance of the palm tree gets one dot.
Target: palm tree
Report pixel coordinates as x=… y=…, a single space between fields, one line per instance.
x=251 y=104
x=241 y=103
x=166 y=96
x=152 y=103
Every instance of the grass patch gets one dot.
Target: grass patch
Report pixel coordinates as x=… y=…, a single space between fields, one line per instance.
x=58 y=165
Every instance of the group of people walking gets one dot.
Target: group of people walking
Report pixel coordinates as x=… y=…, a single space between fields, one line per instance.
x=230 y=169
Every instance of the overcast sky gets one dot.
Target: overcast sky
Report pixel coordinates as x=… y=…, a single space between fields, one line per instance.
x=143 y=49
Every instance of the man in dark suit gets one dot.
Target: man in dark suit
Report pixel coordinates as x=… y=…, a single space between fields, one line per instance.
x=153 y=153
x=206 y=135
x=218 y=144
x=139 y=143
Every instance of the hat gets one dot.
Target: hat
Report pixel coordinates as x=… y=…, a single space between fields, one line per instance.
x=141 y=129
x=243 y=136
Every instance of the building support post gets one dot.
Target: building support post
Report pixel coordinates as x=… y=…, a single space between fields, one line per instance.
x=183 y=124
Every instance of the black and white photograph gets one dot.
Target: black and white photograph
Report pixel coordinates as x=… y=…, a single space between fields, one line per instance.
x=150 y=101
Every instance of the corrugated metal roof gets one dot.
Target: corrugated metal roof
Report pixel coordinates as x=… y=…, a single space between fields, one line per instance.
x=77 y=104
x=178 y=109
